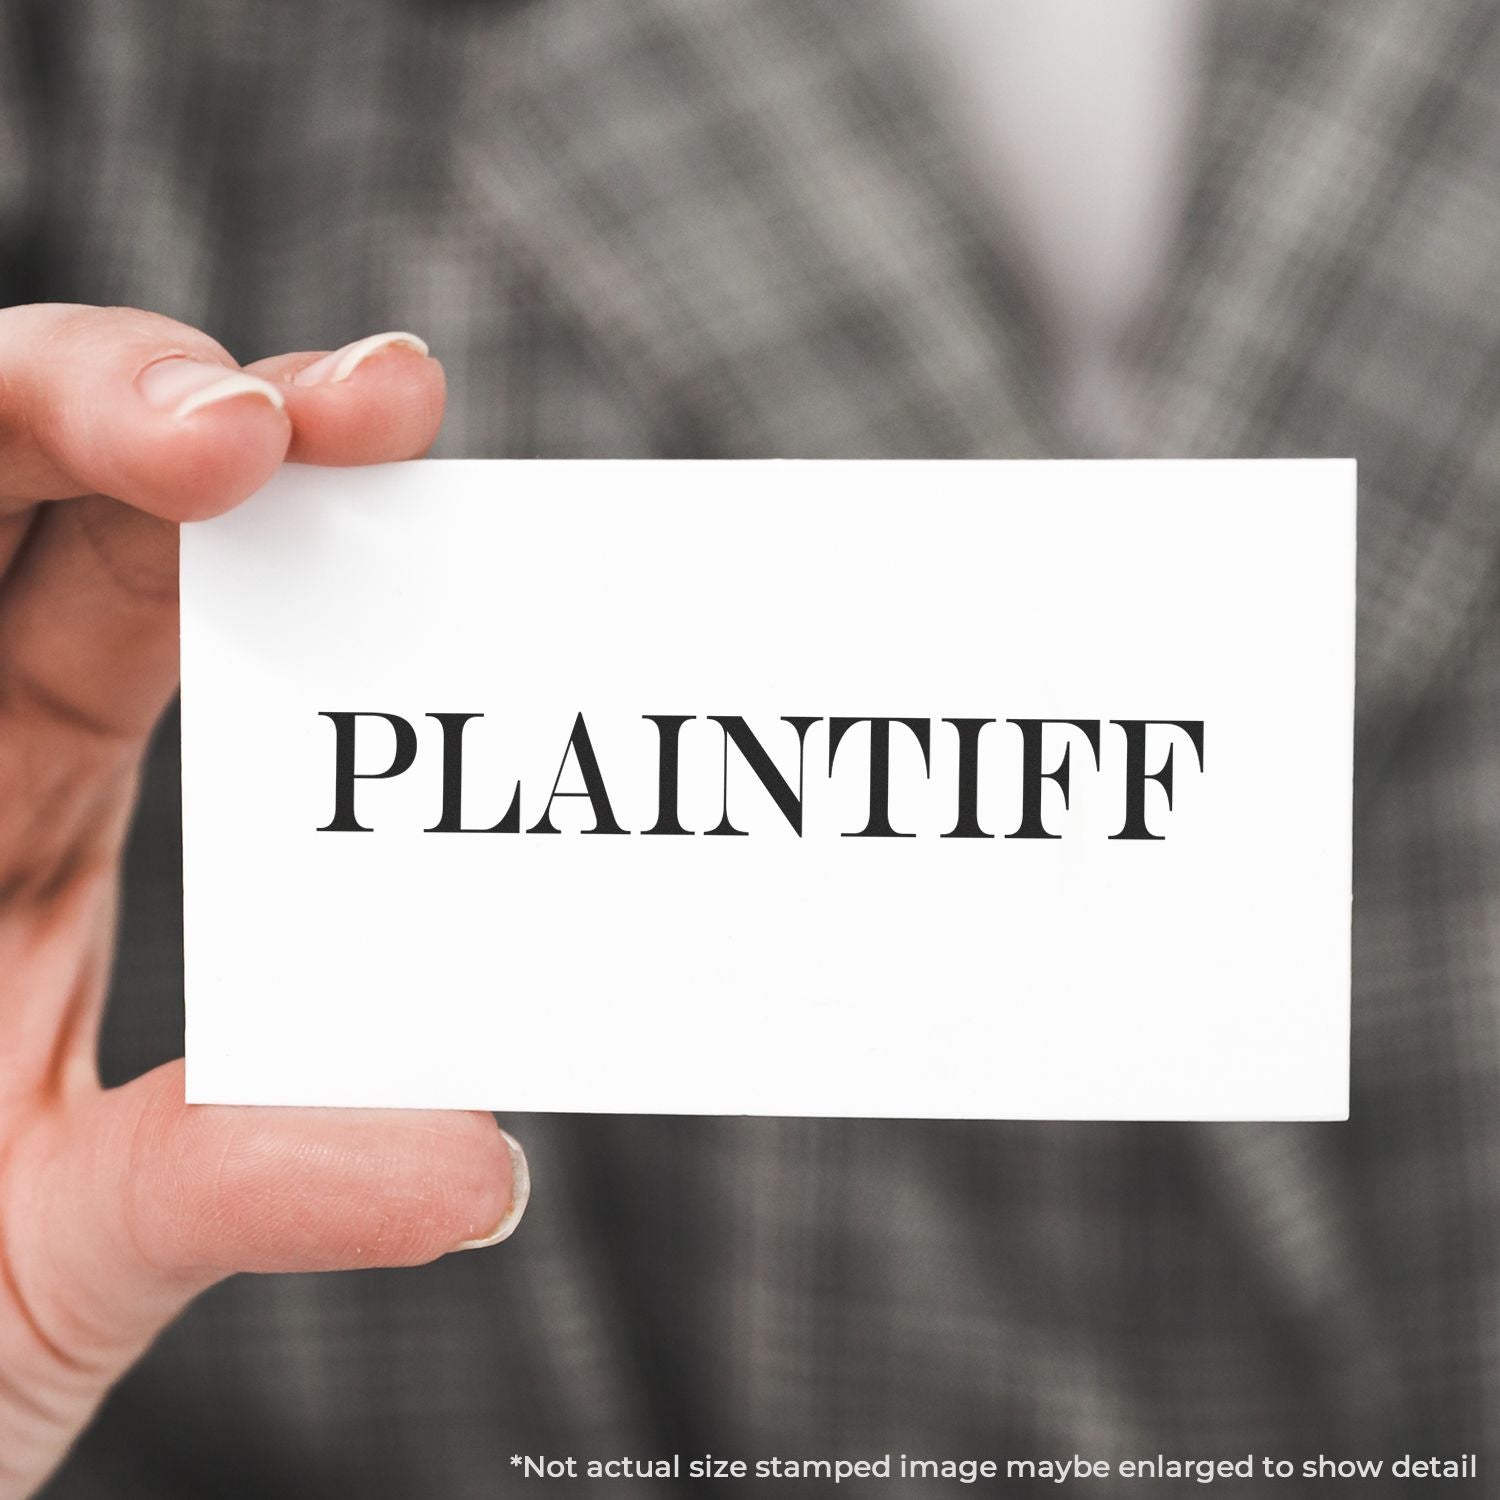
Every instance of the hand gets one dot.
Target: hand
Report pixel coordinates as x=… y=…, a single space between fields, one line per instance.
x=118 y=1206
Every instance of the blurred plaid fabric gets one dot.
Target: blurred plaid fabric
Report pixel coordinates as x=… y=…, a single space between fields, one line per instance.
x=736 y=228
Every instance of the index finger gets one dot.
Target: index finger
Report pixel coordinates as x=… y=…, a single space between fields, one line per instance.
x=125 y=403
x=129 y=405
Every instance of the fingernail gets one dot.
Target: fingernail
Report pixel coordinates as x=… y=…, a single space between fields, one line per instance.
x=342 y=363
x=182 y=386
x=520 y=1194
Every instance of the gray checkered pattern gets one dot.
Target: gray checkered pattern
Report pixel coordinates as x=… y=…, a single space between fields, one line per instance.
x=733 y=228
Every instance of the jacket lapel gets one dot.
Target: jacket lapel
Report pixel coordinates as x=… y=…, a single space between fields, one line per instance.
x=753 y=213
x=1334 y=296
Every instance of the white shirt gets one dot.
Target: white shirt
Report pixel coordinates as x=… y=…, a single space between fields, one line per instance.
x=1078 y=113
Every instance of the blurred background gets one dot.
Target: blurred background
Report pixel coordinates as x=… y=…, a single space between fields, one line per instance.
x=905 y=228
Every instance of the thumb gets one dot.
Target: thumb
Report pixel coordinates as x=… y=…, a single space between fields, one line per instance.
x=120 y=1209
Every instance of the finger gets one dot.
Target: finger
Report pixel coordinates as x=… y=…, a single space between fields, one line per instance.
x=88 y=625
x=130 y=404
x=376 y=400
x=132 y=1203
x=13 y=528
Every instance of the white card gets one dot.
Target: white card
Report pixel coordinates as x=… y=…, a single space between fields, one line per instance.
x=492 y=799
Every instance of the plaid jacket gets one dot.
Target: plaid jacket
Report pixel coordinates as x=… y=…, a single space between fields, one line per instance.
x=736 y=228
